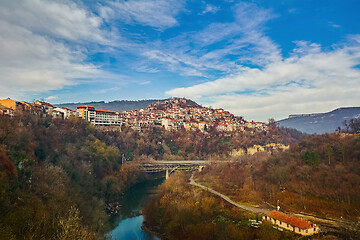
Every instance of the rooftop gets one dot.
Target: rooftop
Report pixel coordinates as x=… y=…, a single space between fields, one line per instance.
x=292 y=220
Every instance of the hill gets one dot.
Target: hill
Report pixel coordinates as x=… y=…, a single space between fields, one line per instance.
x=320 y=122
x=319 y=175
x=123 y=105
x=173 y=103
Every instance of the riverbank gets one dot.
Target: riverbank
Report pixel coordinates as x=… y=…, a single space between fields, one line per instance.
x=127 y=224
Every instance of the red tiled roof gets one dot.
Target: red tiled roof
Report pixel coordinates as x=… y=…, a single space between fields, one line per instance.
x=292 y=220
x=86 y=106
x=105 y=112
x=45 y=103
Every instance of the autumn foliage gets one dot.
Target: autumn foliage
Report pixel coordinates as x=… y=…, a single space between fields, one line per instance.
x=318 y=175
x=182 y=211
x=56 y=176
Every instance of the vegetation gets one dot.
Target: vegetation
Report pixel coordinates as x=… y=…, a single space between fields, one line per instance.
x=159 y=144
x=59 y=177
x=318 y=175
x=181 y=211
x=56 y=177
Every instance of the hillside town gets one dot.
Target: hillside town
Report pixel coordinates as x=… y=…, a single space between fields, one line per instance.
x=171 y=114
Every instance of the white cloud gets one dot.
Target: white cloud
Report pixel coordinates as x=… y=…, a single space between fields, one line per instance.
x=60 y=20
x=209 y=9
x=192 y=54
x=35 y=53
x=309 y=80
x=155 y=13
x=51 y=98
x=334 y=25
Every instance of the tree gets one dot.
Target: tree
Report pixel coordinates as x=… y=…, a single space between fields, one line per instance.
x=311 y=157
x=341 y=149
x=329 y=152
x=72 y=227
x=353 y=126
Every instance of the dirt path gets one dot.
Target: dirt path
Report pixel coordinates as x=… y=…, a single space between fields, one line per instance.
x=325 y=223
x=226 y=198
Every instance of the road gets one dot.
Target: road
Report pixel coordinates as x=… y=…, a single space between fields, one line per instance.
x=258 y=210
x=325 y=223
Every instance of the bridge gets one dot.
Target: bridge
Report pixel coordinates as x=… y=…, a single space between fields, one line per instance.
x=171 y=166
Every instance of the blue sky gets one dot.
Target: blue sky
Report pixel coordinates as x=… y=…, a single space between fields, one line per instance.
x=258 y=59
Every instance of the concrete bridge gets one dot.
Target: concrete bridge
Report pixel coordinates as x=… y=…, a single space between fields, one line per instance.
x=171 y=166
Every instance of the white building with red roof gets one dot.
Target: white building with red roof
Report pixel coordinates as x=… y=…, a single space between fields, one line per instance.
x=292 y=223
x=99 y=117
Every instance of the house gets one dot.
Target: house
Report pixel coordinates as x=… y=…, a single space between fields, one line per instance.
x=203 y=126
x=46 y=107
x=66 y=112
x=292 y=223
x=167 y=123
x=57 y=114
x=6 y=111
x=27 y=106
x=14 y=105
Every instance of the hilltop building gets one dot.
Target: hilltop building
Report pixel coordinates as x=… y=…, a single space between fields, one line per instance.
x=171 y=114
x=292 y=223
x=99 y=117
x=46 y=107
x=12 y=104
x=65 y=112
x=6 y=111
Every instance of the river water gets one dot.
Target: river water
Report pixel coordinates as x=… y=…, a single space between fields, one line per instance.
x=129 y=221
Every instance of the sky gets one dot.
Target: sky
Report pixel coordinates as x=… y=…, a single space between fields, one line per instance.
x=259 y=59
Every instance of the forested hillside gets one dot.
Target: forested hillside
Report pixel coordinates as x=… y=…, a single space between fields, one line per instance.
x=56 y=177
x=180 y=211
x=318 y=175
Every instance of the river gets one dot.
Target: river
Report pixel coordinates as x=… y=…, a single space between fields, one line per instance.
x=129 y=221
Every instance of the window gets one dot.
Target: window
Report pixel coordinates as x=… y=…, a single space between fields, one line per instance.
x=306 y=231
x=299 y=230
x=287 y=225
x=280 y=222
x=314 y=229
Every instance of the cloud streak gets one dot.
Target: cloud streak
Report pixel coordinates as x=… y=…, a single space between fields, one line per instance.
x=243 y=42
x=159 y=14
x=309 y=79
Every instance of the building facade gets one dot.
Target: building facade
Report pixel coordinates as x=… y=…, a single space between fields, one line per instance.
x=291 y=223
x=99 y=117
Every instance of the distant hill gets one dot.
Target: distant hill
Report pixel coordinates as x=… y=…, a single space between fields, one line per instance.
x=320 y=122
x=122 y=105
x=174 y=102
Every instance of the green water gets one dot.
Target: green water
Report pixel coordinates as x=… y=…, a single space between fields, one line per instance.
x=129 y=221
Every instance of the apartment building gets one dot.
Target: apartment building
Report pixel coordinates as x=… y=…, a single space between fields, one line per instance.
x=99 y=117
